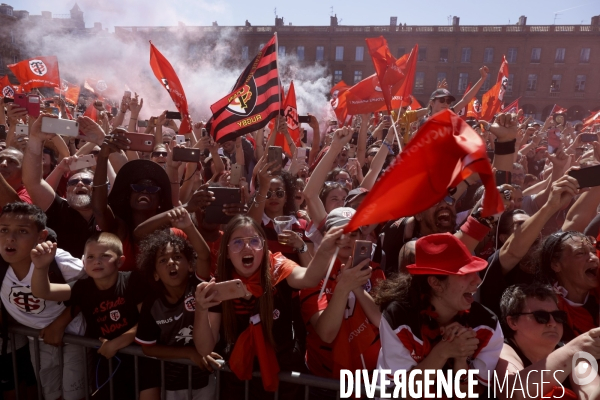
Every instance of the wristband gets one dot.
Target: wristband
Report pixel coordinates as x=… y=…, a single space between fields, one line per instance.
x=386 y=144
x=504 y=148
x=476 y=228
x=102 y=184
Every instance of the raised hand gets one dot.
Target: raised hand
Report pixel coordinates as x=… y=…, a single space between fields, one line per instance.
x=180 y=218
x=43 y=254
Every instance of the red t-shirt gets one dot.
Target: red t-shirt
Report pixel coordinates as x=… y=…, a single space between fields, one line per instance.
x=23 y=195
x=326 y=359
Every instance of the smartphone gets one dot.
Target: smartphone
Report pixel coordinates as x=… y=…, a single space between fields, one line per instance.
x=2 y=132
x=21 y=100
x=354 y=139
x=82 y=162
x=362 y=251
x=128 y=94
x=142 y=123
x=229 y=290
x=64 y=127
x=387 y=118
x=587 y=177
x=180 y=139
x=173 y=115
x=33 y=105
x=275 y=154
x=236 y=174
x=304 y=119
x=114 y=111
x=214 y=212
x=185 y=154
x=140 y=141
x=22 y=129
x=302 y=153
x=204 y=132
x=589 y=137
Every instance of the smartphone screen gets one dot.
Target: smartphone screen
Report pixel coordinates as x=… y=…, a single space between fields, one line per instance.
x=587 y=177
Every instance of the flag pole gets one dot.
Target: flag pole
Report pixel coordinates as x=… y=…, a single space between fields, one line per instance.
x=395 y=130
x=337 y=249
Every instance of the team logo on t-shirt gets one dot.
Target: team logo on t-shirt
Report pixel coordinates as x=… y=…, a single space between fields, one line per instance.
x=22 y=298
x=115 y=315
x=185 y=334
x=190 y=303
x=276 y=314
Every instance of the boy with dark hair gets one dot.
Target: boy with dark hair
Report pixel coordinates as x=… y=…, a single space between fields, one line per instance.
x=109 y=300
x=22 y=228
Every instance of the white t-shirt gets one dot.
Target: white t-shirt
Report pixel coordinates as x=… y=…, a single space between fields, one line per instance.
x=36 y=313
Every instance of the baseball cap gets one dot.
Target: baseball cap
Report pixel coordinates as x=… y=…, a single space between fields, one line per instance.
x=444 y=254
x=338 y=217
x=442 y=93
x=355 y=194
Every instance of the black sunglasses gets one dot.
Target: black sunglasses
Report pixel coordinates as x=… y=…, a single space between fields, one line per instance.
x=74 y=182
x=444 y=100
x=159 y=154
x=279 y=193
x=543 y=317
x=144 y=188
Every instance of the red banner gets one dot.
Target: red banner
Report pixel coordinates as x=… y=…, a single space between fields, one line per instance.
x=37 y=72
x=492 y=100
x=7 y=89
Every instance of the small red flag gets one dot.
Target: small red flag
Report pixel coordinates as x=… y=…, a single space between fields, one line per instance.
x=167 y=77
x=444 y=152
x=592 y=119
x=404 y=93
x=388 y=73
x=69 y=91
x=91 y=112
x=290 y=112
x=492 y=99
x=7 y=88
x=37 y=72
x=512 y=107
x=338 y=101
x=558 y=110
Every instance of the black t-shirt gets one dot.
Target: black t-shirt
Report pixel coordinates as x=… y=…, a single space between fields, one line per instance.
x=495 y=283
x=172 y=325
x=72 y=230
x=109 y=313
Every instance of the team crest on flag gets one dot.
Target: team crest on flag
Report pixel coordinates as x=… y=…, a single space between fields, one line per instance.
x=7 y=91
x=166 y=84
x=101 y=86
x=243 y=101
x=291 y=117
x=64 y=86
x=477 y=106
x=115 y=315
x=38 y=67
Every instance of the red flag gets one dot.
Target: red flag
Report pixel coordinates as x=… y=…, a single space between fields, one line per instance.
x=406 y=89
x=592 y=119
x=492 y=100
x=388 y=73
x=444 y=152
x=7 y=88
x=254 y=101
x=167 y=77
x=37 y=72
x=512 y=107
x=414 y=104
x=69 y=91
x=91 y=112
x=463 y=112
x=338 y=101
x=558 y=110
x=291 y=116
x=474 y=109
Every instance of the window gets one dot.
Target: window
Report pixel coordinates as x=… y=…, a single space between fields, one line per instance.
x=422 y=54
x=337 y=76
x=560 y=55
x=300 y=53
x=536 y=54
x=509 y=84
x=488 y=55
x=357 y=76
x=419 y=81
x=465 y=56
x=511 y=57
x=244 y=52
x=320 y=52
x=555 y=85
x=532 y=82
x=486 y=84
x=401 y=51
x=339 y=53
x=444 y=54
x=441 y=76
x=281 y=51
x=463 y=81
x=584 y=56
x=360 y=52
x=580 y=83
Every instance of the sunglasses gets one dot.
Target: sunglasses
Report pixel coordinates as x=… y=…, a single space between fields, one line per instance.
x=157 y=154
x=543 y=317
x=279 y=193
x=444 y=100
x=332 y=183
x=255 y=243
x=74 y=182
x=144 y=188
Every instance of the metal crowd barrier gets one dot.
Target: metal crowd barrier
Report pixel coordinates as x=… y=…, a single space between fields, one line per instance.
x=297 y=378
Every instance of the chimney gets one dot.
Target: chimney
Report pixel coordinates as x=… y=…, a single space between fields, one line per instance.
x=98 y=26
x=522 y=20
x=248 y=23
x=46 y=15
x=278 y=21
x=393 y=21
x=596 y=20
x=455 y=21
x=333 y=21
x=215 y=23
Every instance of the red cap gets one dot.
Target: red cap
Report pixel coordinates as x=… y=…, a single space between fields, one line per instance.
x=444 y=254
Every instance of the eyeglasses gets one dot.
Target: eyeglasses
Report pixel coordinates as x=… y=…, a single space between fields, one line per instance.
x=444 y=100
x=279 y=193
x=157 y=154
x=145 y=188
x=344 y=180
x=256 y=243
x=543 y=317
x=75 y=181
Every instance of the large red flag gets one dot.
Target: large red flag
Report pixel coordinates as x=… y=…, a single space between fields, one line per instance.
x=388 y=73
x=7 y=89
x=492 y=100
x=69 y=91
x=37 y=72
x=167 y=77
x=338 y=101
x=290 y=112
x=254 y=101
x=444 y=152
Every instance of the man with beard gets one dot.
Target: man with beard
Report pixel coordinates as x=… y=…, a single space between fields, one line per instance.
x=72 y=219
x=11 y=185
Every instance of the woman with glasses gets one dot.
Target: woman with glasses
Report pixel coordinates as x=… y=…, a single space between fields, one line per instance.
x=341 y=176
x=533 y=352
x=258 y=329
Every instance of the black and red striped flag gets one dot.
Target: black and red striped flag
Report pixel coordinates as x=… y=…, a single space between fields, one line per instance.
x=254 y=100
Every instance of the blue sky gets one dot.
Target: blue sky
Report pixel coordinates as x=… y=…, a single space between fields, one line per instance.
x=317 y=12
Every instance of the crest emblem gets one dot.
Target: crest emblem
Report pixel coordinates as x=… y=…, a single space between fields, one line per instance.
x=166 y=84
x=242 y=102
x=101 y=86
x=190 y=303
x=38 y=67
x=291 y=117
x=115 y=315
x=8 y=91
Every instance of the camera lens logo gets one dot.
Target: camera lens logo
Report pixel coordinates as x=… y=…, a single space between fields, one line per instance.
x=584 y=372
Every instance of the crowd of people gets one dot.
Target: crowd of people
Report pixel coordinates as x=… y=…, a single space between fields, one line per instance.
x=142 y=248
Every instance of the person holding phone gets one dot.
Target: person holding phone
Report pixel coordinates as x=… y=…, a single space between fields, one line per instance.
x=334 y=340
